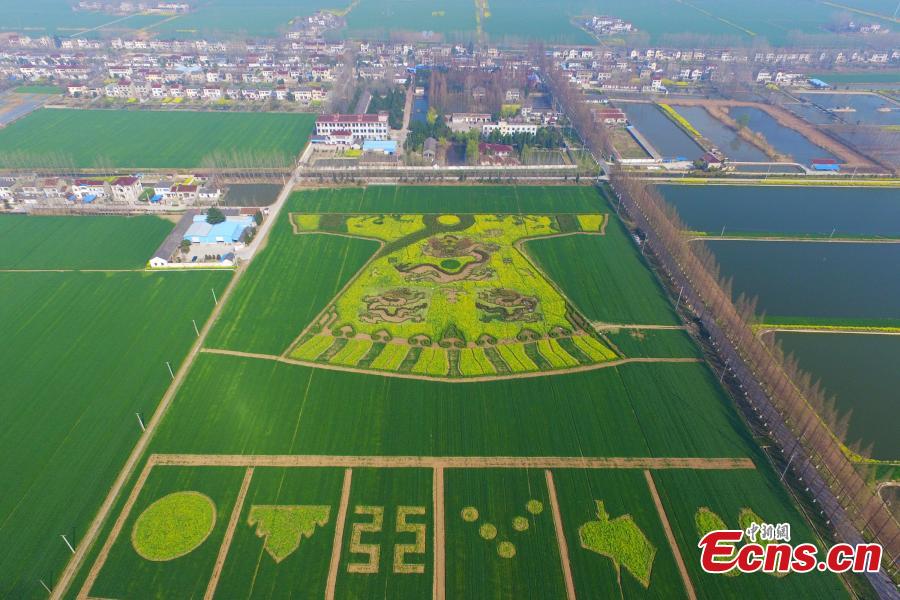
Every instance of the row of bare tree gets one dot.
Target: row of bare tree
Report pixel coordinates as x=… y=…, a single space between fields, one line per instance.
x=803 y=420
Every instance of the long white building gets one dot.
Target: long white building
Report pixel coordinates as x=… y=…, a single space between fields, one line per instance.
x=506 y=128
x=361 y=127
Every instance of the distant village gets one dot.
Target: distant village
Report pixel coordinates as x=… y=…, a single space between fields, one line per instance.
x=127 y=191
x=301 y=68
x=486 y=105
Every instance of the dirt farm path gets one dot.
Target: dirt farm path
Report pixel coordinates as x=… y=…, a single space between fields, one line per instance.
x=791 y=121
x=338 y=536
x=330 y=367
x=836 y=330
x=440 y=536
x=449 y=462
x=229 y=535
x=114 y=534
x=606 y=326
x=90 y=536
x=679 y=561
x=788 y=238
x=560 y=537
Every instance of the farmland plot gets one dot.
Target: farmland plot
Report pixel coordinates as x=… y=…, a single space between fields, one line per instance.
x=388 y=543
x=286 y=286
x=186 y=540
x=283 y=540
x=484 y=199
x=500 y=536
x=689 y=495
x=148 y=139
x=442 y=284
x=604 y=277
x=268 y=407
x=616 y=542
x=81 y=354
x=79 y=242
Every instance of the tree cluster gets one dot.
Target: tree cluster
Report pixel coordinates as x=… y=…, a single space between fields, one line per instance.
x=393 y=102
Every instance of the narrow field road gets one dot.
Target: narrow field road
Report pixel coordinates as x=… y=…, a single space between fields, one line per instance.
x=482 y=378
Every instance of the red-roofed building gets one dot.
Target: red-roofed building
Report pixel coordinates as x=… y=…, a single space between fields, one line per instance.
x=499 y=150
x=825 y=164
x=127 y=189
x=89 y=187
x=610 y=116
x=361 y=127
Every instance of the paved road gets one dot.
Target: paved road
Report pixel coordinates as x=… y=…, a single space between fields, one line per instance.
x=248 y=252
x=407 y=113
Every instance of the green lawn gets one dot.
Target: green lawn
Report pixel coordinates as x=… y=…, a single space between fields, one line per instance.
x=148 y=139
x=81 y=354
x=79 y=242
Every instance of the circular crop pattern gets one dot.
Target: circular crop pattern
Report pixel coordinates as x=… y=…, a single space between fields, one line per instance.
x=448 y=220
x=469 y=514
x=173 y=526
x=487 y=531
x=520 y=523
x=506 y=549
x=451 y=264
x=535 y=507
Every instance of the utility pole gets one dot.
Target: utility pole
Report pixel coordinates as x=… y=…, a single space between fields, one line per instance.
x=213 y=290
x=787 y=466
x=63 y=536
x=44 y=585
x=140 y=421
x=171 y=374
x=197 y=331
x=680 y=292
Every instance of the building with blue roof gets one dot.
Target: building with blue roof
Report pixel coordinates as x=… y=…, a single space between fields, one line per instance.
x=382 y=146
x=228 y=231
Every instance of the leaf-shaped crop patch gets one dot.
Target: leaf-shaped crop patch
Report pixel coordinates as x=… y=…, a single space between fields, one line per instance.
x=284 y=526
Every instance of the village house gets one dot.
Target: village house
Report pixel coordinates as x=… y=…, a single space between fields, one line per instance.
x=126 y=189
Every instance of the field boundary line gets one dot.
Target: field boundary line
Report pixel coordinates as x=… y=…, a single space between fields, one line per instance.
x=601 y=326
x=849 y=330
x=560 y=536
x=679 y=561
x=439 y=591
x=480 y=379
x=84 y=594
x=450 y=462
x=74 y=564
x=792 y=239
x=335 y=563
x=229 y=535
